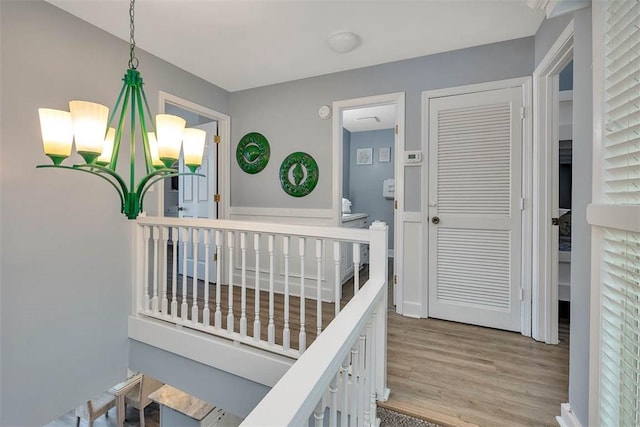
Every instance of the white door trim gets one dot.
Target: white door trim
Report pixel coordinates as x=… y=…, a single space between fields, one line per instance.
x=525 y=84
x=544 y=302
x=398 y=99
x=224 y=131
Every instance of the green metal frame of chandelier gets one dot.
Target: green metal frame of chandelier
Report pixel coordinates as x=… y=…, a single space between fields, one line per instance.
x=133 y=98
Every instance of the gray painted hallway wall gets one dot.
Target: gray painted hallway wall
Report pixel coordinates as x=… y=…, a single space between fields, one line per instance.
x=66 y=264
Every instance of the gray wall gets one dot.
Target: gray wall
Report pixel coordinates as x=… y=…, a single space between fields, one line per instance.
x=220 y=388
x=287 y=114
x=65 y=269
x=580 y=230
x=365 y=181
x=346 y=162
x=581 y=197
x=547 y=35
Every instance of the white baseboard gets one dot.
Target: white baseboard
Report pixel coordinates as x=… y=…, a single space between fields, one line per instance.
x=567 y=418
x=412 y=309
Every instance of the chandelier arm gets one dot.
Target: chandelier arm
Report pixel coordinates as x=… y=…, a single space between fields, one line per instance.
x=146 y=104
x=109 y=172
x=117 y=104
x=148 y=181
x=120 y=128
x=143 y=128
x=132 y=141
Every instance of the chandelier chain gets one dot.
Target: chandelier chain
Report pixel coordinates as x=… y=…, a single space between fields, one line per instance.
x=133 y=61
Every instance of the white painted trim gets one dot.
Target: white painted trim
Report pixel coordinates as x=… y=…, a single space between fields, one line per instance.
x=412 y=309
x=413 y=217
x=398 y=99
x=477 y=87
x=544 y=293
x=527 y=213
x=218 y=353
x=526 y=84
x=224 y=131
x=567 y=418
x=622 y=217
x=281 y=212
x=595 y=335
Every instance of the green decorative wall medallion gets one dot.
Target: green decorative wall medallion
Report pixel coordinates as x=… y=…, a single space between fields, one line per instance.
x=298 y=174
x=253 y=152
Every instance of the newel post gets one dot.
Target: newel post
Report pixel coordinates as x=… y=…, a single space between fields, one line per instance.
x=378 y=270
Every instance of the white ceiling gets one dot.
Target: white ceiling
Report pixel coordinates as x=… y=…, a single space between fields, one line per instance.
x=369 y=118
x=240 y=44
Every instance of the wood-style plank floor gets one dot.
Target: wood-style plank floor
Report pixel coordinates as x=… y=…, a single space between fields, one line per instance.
x=445 y=372
x=457 y=374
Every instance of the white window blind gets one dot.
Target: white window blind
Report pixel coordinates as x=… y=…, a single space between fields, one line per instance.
x=620 y=256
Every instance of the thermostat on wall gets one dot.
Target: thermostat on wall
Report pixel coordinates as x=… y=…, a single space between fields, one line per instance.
x=414 y=157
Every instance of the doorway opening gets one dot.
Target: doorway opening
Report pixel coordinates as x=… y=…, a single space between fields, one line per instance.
x=188 y=196
x=546 y=290
x=368 y=140
x=564 y=184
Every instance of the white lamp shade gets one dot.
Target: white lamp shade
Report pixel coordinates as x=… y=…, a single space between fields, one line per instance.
x=153 y=148
x=57 y=132
x=107 y=148
x=193 y=147
x=89 y=123
x=169 y=131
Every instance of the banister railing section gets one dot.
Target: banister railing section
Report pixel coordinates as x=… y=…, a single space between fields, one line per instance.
x=277 y=288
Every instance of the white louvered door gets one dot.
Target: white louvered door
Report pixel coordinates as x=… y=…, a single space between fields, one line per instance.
x=474 y=208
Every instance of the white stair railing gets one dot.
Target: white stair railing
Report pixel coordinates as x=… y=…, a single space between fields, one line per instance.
x=341 y=375
x=283 y=264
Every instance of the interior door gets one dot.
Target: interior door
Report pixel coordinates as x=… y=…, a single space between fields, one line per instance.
x=474 y=224
x=196 y=200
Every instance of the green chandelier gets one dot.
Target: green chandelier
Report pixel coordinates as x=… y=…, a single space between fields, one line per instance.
x=90 y=125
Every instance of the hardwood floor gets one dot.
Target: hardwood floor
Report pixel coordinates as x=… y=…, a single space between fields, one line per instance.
x=456 y=374
x=445 y=372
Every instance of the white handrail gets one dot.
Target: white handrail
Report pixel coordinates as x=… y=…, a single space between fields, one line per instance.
x=295 y=397
x=356 y=235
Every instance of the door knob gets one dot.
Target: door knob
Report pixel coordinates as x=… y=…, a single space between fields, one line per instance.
x=435 y=220
x=180 y=208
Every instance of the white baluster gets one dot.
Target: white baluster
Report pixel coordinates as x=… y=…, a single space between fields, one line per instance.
x=362 y=389
x=175 y=240
x=318 y=414
x=286 y=333
x=230 y=317
x=338 y=278
x=145 y=300
x=302 y=336
x=256 y=322
x=243 y=295
x=165 y=300
x=184 y=307
x=356 y=268
x=372 y=371
x=354 y=384
x=155 y=302
x=195 y=242
x=271 y=328
x=333 y=395
x=367 y=375
x=206 y=311
x=218 y=314
x=345 y=392
x=319 y=287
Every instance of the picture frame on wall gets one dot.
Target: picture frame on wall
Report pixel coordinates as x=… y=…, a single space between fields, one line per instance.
x=384 y=155
x=364 y=156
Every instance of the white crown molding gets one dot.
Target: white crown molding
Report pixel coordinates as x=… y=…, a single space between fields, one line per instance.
x=553 y=8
